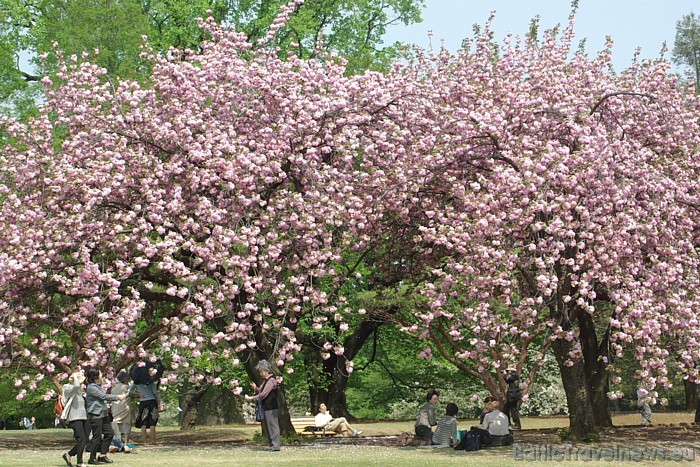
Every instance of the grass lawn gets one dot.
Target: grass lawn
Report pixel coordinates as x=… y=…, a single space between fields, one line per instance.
x=231 y=445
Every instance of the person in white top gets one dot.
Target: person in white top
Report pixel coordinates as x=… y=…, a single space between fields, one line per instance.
x=496 y=422
x=325 y=420
x=643 y=399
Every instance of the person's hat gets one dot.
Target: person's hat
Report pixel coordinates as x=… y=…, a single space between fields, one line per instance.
x=78 y=376
x=122 y=377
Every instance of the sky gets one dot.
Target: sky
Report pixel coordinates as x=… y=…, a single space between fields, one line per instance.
x=631 y=23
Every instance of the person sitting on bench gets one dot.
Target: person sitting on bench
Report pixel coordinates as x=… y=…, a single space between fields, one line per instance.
x=338 y=425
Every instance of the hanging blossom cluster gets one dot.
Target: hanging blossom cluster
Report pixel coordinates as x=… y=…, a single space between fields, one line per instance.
x=559 y=188
x=209 y=209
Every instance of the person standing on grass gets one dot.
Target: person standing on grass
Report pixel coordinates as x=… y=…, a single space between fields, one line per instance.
x=98 y=415
x=325 y=420
x=697 y=411
x=121 y=410
x=149 y=410
x=75 y=416
x=426 y=416
x=643 y=399
x=267 y=393
x=513 y=397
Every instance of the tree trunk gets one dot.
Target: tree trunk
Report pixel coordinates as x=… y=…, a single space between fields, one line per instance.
x=250 y=359
x=333 y=381
x=691 y=394
x=573 y=377
x=574 y=373
x=333 y=371
x=598 y=388
x=189 y=403
x=596 y=368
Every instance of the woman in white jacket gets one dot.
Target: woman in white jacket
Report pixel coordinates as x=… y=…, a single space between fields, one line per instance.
x=76 y=417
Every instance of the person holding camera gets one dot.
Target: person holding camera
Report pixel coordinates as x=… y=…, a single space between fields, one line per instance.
x=513 y=397
x=98 y=415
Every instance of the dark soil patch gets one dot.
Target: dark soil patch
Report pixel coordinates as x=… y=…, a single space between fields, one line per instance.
x=682 y=433
x=670 y=435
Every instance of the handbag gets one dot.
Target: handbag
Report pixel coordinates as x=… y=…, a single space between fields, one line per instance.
x=58 y=406
x=259 y=412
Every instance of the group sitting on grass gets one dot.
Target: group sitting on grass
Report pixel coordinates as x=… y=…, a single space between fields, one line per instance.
x=493 y=430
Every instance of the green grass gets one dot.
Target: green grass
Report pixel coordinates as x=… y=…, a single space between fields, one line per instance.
x=230 y=445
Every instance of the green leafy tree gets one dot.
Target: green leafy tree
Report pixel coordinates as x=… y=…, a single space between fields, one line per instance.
x=686 y=50
x=115 y=28
x=32 y=29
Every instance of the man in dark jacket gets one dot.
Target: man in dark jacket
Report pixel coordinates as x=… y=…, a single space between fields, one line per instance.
x=513 y=397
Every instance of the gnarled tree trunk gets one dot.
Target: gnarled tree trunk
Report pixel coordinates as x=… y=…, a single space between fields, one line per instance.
x=333 y=371
x=189 y=403
x=573 y=377
x=596 y=369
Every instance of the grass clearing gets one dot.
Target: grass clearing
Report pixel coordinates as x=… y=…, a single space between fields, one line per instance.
x=230 y=445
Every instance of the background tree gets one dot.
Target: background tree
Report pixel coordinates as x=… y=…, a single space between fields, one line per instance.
x=29 y=29
x=686 y=48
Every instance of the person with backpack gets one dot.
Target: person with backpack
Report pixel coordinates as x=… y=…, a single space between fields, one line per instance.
x=98 y=416
x=75 y=415
x=513 y=397
x=144 y=378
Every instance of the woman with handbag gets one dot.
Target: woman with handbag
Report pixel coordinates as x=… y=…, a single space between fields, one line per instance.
x=75 y=416
x=266 y=394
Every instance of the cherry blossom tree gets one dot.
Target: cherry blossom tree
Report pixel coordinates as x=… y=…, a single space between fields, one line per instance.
x=202 y=211
x=563 y=197
x=531 y=195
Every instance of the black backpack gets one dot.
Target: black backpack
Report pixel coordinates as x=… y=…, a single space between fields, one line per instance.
x=470 y=442
x=474 y=440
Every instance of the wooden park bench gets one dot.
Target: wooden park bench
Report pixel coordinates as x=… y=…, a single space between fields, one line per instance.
x=307 y=426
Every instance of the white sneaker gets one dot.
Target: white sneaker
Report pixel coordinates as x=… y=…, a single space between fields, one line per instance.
x=356 y=433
